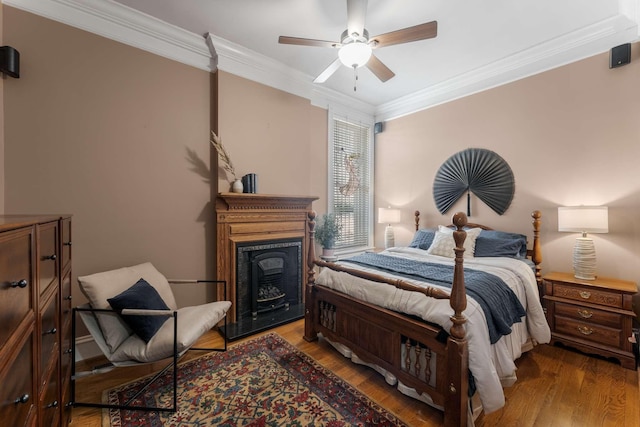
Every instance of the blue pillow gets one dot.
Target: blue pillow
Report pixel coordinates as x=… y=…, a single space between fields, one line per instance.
x=423 y=238
x=141 y=295
x=493 y=243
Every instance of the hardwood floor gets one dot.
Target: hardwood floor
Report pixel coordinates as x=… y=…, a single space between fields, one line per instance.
x=556 y=387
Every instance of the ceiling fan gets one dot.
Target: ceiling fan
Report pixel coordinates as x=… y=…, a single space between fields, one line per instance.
x=355 y=47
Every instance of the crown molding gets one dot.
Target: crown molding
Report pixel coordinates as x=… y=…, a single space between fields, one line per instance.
x=571 y=47
x=123 y=24
x=243 y=62
x=115 y=21
x=118 y=22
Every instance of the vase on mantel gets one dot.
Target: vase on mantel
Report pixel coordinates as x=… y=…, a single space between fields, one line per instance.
x=237 y=186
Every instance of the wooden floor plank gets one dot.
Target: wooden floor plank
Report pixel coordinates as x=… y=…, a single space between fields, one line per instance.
x=556 y=387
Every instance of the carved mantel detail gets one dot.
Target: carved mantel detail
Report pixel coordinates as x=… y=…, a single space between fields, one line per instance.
x=250 y=217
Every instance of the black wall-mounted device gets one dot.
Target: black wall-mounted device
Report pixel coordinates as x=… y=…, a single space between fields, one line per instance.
x=378 y=127
x=620 y=55
x=10 y=61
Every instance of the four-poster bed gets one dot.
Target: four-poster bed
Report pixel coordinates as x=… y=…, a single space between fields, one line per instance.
x=416 y=334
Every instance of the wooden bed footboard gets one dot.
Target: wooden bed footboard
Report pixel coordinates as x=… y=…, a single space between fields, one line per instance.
x=420 y=355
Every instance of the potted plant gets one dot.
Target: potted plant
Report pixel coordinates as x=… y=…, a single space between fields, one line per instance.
x=326 y=234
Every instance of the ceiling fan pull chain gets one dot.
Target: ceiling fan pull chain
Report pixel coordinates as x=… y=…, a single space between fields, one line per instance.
x=355 y=73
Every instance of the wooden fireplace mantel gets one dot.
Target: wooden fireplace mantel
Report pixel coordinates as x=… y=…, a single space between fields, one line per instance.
x=249 y=217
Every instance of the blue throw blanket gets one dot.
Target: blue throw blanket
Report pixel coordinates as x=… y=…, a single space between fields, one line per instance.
x=500 y=305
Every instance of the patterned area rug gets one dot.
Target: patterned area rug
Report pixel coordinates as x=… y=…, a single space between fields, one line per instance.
x=262 y=382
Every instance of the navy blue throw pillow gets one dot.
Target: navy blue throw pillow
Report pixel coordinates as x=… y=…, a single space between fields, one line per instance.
x=142 y=296
x=423 y=238
x=492 y=243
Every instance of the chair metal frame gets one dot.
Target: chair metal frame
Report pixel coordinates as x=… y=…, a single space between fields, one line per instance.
x=174 y=362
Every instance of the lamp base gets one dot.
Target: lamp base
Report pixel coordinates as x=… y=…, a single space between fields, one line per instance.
x=584 y=259
x=389 y=238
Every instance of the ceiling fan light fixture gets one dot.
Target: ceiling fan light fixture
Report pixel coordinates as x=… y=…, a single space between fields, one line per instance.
x=355 y=55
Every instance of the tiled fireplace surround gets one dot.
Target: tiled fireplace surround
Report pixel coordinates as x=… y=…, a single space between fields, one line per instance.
x=258 y=220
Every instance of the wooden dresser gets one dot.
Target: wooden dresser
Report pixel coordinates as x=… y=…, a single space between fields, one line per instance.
x=594 y=316
x=35 y=314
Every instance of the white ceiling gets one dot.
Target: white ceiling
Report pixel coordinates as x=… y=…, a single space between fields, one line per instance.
x=480 y=44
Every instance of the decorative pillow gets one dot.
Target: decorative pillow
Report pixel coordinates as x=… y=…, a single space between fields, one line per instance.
x=100 y=286
x=141 y=295
x=443 y=243
x=493 y=243
x=423 y=238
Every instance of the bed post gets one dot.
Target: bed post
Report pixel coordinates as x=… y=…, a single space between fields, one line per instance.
x=456 y=404
x=309 y=305
x=536 y=256
x=417 y=215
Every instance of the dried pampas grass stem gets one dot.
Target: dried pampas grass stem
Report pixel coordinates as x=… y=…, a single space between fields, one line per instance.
x=223 y=154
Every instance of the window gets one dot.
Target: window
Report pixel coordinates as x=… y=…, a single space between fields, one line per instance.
x=351 y=180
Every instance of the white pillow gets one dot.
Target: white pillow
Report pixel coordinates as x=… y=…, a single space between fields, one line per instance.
x=443 y=243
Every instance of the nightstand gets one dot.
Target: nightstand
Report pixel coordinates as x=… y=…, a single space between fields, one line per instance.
x=594 y=316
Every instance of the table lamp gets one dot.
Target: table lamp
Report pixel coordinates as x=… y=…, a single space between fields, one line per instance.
x=388 y=216
x=584 y=219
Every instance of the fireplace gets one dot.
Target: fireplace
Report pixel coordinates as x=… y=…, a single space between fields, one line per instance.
x=269 y=277
x=261 y=252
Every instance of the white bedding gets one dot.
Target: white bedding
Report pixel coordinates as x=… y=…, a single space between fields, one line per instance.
x=491 y=365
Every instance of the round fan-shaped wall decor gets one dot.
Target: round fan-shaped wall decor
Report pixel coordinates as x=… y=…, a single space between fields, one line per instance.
x=478 y=171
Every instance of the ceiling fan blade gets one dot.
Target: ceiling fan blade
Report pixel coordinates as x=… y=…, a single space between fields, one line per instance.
x=307 y=42
x=356 y=12
x=424 y=31
x=380 y=70
x=328 y=72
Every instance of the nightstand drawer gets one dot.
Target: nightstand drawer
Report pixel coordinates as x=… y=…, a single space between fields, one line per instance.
x=588 y=331
x=594 y=296
x=589 y=315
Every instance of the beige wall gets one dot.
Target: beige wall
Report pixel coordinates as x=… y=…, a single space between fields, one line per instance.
x=120 y=138
x=570 y=135
x=278 y=136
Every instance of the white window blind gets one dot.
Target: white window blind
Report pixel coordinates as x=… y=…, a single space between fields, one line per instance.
x=351 y=182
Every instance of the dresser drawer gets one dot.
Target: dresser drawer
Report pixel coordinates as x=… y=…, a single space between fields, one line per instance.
x=594 y=296
x=50 y=405
x=66 y=303
x=66 y=242
x=49 y=335
x=588 y=331
x=589 y=315
x=65 y=348
x=17 y=396
x=48 y=255
x=16 y=275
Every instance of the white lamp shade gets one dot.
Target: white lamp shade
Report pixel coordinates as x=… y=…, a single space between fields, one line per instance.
x=388 y=216
x=583 y=219
x=354 y=54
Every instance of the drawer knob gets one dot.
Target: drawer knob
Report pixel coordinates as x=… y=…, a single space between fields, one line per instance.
x=585 y=314
x=67 y=243
x=22 y=399
x=68 y=351
x=53 y=404
x=585 y=294
x=19 y=284
x=51 y=331
x=585 y=330
x=50 y=257
x=68 y=298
